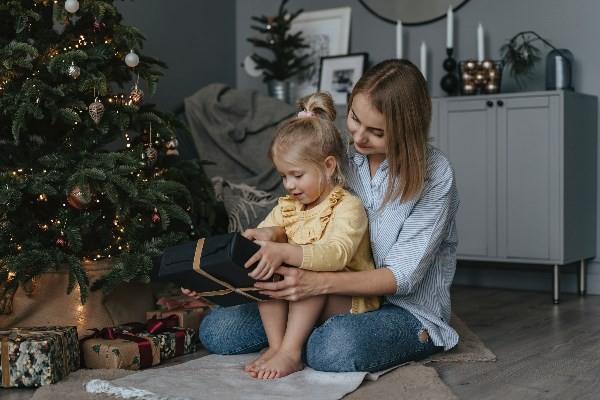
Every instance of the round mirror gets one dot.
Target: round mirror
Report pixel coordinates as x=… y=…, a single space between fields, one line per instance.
x=411 y=12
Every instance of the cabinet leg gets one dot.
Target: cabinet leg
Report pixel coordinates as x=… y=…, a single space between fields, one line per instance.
x=556 y=285
x=582 y=277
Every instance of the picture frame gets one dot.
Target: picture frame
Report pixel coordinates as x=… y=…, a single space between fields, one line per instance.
x=327 y=33
x=339 y=74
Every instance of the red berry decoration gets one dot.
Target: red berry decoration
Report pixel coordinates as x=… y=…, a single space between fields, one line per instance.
x=155 y=216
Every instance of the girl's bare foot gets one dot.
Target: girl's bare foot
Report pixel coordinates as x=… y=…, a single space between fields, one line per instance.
x=264 y=356
x=281 y=364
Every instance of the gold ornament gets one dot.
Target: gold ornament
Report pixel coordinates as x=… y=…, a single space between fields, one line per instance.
x=96 y=110
x=77 y=200
x=74 y=71
x=136 y=96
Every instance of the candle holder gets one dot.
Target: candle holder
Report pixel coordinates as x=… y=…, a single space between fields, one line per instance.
x=449 y=82
x=480 y=77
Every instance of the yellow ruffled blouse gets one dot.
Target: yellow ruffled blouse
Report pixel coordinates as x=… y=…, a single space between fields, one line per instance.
x=334 y=236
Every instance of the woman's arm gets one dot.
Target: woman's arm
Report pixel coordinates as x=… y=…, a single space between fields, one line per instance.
x=298 y=284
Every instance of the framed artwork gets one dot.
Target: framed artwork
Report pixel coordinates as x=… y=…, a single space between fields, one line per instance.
x=339 y=74
x=327 y=32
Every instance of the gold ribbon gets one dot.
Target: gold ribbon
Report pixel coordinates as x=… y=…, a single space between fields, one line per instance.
x=229 y=287
x=5 y=362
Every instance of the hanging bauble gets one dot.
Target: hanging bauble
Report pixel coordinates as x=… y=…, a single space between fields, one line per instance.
x=98 y=26
x=136 y=96
x=171 y=147
x=132 y=59
x=77 y=200
x=61 y=241
x=72 y=6
x=155 y=217
x=74 y=71
x=96 y=110
x=151 y=154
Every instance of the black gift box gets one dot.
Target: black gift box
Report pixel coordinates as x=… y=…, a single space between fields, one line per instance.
x=213 y=267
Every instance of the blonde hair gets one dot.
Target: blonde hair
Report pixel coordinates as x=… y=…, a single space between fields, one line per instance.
x=311 y=138
x=397 y=89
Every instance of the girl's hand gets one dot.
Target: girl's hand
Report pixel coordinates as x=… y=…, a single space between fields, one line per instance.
x=270 y=257
x=270 y=234
x=297 y=284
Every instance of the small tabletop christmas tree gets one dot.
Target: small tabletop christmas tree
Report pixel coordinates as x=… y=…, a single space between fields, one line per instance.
x=70 y=192
x=286 y=61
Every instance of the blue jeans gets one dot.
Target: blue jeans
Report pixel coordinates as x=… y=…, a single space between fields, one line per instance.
x=371 y=341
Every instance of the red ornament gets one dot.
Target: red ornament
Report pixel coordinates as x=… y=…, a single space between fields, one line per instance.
x=155 y=216
x=98 y=26
x=61 y=241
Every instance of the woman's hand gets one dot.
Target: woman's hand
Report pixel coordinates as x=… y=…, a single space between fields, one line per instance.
x=191 y=293
x=270 y=257
x=270 y=234
x=297 y=284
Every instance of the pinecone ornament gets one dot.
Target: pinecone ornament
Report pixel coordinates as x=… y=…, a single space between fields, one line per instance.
x=136 y=96
x=96 y=110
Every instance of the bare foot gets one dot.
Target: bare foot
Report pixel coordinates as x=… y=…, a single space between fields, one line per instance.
x=264 y=356
x=283 y=363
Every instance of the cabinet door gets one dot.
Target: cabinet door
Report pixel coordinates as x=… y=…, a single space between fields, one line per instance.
x=467 y=136
x=529 y=220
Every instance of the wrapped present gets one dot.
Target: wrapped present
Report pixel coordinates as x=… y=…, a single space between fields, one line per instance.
x=111 y=348
x=33 y=358
x=213 y=267
x=173 y=341
x=189 y=319
x=72 y=342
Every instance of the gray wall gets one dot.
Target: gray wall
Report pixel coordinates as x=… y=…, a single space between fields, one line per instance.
x=195 y=38
x=569 y=24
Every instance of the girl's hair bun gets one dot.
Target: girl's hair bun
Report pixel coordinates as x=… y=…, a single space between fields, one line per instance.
x=320 y=104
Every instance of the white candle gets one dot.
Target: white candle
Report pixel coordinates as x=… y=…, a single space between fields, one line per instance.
x=449 y=28
x=480 y=54
x=424 y=59
x=399 y=39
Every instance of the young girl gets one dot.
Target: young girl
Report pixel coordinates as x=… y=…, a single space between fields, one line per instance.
x=408 y=189
x=326 y=229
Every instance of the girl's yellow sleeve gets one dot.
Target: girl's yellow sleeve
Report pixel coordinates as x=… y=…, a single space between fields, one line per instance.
x=274 y=218
x=343 y=235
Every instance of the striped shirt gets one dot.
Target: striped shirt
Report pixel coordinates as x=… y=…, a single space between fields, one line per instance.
x=416 y=240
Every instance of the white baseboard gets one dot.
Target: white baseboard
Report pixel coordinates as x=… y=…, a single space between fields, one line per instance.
x=525 y=277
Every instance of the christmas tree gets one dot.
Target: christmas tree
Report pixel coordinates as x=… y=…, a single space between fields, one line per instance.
x=286 y=60
x=88 y=170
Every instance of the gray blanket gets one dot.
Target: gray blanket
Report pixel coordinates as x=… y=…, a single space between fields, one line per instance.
x=233 y=129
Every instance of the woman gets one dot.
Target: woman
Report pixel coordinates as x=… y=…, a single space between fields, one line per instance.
x=409 y=193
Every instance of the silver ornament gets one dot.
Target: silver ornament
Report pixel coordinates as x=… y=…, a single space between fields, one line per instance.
x=96 y=110
x=74 y=71
x=132 y=59
x=72 y=6
x=136 y=96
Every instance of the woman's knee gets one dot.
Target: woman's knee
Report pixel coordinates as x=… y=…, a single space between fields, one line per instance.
x=232 y=330
x=333 y=347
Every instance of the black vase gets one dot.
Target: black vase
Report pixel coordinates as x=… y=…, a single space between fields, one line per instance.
x=559 y=67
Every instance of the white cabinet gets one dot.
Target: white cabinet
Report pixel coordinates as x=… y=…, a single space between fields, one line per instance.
x=525 y=168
